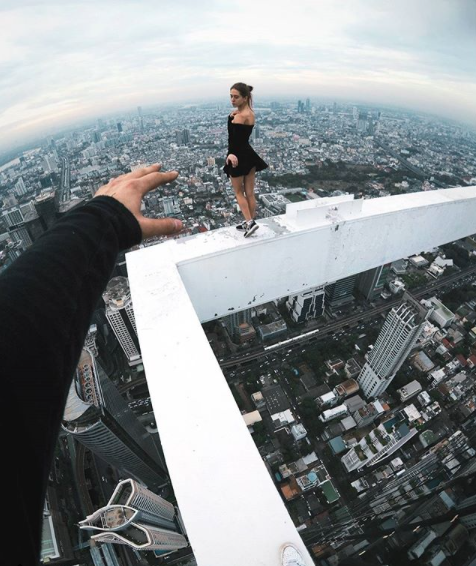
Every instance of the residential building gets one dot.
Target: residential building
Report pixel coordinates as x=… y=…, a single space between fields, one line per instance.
x=398 y=336
x=120 y=315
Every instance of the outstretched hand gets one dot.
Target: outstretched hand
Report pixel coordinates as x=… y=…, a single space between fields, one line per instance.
x=129 y=189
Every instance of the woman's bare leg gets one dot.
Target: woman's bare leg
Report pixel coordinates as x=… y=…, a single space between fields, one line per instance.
x=237 y=183
x=249 y=183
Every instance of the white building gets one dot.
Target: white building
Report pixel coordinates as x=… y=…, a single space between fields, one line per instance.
x=120 y=315
x=283 y=418
x=298 y=431
x=409 y=390
x=327 y=399
x=396 y=286
x=375 y=446
x=330 y=414
x=398 y=336
x=441 y=315
x=20 y=187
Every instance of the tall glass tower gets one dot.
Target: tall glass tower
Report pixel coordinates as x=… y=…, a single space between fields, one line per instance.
x=97 y=416
x=120 y=315
x=137 y=517
x=400 y=331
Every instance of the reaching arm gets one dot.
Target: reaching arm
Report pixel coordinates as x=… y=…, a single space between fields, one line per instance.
x=47 y=297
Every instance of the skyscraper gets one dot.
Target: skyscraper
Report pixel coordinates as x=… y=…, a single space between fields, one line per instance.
x=340 y=293
x=97 y=416
x=233 y=321
x=137 y=517
x=50 y=163
x=371 y=283
x=400 y=331
x=120 y=315
x=362 y=123
x=307 y=305
x=13 y=217
x=45 y=208
x=20 y=187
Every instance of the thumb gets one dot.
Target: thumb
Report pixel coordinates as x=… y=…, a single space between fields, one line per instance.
x=161 y=227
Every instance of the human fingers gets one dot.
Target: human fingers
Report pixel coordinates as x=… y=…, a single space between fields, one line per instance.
x=135 y=174
x=162 y=227
x=153 y=180
x=143 y=171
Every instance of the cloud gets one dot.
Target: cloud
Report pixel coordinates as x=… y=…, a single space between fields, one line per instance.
x=64 y=59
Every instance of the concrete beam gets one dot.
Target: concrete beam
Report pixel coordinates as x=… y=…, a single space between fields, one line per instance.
x=230 y=506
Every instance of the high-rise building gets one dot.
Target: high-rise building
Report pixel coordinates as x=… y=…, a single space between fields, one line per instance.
x=400 y=331
x=362 y=123
x=45 y=208
x=371 y=283
x=119 y=127
x=308 y=305
x=340 y=293
x=98 y=417
x=137 y=517
x=20 y=187
x=13 y=217
x=375 y=446
x=232 y=322
x=308 y=105
x=20 y=234
x=50 y=163
x=120 y=315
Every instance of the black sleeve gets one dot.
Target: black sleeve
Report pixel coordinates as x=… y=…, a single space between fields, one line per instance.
x=232 y=147
x=47 y=297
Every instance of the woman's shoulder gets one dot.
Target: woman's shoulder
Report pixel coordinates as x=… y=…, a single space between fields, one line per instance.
x=245 y=118
x=249 y=118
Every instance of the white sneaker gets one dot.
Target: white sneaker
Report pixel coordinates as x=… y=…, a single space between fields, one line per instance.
x=290 y=556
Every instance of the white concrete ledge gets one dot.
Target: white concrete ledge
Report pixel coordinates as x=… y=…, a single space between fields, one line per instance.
x=230 y=506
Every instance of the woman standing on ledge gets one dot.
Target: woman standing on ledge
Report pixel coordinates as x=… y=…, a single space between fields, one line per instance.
x=242 y=161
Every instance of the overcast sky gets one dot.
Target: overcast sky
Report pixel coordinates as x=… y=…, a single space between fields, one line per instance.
x=61 y=61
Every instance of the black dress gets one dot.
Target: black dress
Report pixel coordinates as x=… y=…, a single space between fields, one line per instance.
x=238 y=144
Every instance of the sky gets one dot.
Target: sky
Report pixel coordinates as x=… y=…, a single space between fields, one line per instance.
x=62 y=61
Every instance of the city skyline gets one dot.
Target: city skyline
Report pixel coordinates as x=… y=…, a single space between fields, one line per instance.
x=62 y=64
